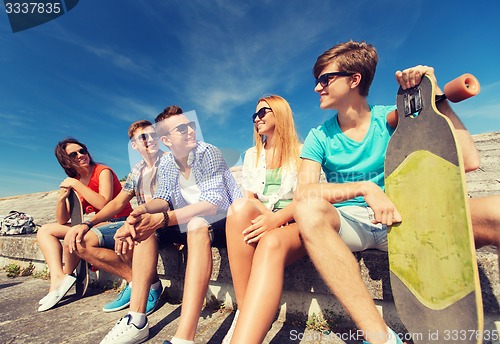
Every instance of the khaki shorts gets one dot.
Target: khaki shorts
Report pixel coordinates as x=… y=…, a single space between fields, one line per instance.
x=358 y=231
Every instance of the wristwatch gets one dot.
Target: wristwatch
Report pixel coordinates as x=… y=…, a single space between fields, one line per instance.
x=166 y=219
x=88 y=223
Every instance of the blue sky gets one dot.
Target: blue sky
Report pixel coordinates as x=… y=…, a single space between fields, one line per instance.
x=105 y=64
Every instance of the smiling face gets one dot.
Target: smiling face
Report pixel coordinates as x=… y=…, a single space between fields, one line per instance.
x=266 y=124
x=333 y=93
x=78 y=154
x=145 y=141
x=179 y=134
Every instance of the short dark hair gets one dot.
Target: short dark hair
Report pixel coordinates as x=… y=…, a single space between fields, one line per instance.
x=168 y=112
x=352 y=57
x=138 y=125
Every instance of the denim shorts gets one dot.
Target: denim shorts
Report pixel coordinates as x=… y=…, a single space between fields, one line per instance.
x=358 y=231
x=106 y=233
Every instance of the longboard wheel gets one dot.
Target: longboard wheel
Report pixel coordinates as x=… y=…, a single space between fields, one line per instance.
x=461 y=88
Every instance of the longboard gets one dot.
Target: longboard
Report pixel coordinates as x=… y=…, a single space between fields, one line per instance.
x=76 y=216
x=432 y=258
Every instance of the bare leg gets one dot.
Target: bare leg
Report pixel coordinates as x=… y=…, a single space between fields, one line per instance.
x=486 y=221
x=240 y=254
x=144 y=263
x=48 y=239
x=276 y=249
x=105 y=258
x=198 y=272
x=71 y=260
x=319 y=224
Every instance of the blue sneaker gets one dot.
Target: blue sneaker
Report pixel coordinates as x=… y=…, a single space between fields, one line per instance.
x=153 y=298
x=122 y=301
x=392 y=335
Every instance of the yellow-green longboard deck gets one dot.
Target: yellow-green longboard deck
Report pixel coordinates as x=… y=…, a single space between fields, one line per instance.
x=431 y=247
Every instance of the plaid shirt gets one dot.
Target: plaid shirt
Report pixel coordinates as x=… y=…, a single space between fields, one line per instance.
x=211 y=174
x=134 y=185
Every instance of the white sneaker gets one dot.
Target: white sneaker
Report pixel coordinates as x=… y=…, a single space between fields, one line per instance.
x=229 y=334
x=126 y=333
x=47 y=297
x=54 y=297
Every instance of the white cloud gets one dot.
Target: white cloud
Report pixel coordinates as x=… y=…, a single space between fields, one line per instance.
x=116 y=58
x=235 y=53
x=130 y=110
x=21 y=174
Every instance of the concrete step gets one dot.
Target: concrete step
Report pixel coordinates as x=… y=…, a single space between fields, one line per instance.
x=76 y=321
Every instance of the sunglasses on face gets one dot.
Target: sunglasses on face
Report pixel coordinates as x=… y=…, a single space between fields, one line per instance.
x=324 y=79
x=82 y=151
x=183 y=128
x=261 y=113
x=147 y=136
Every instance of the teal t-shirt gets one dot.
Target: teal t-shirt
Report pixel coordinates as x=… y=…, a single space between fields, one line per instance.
x=344 y=160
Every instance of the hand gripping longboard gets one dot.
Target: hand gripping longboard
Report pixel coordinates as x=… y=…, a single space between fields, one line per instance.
x=461 y=88
x=76 y=216
x=432 y=258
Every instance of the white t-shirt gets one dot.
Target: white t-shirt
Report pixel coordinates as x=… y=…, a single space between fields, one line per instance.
x=189 y=190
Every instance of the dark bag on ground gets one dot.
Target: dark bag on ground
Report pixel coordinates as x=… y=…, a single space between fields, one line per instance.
x=17 y=223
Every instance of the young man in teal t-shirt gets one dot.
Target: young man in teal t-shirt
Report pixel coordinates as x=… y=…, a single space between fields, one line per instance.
x=350 y=148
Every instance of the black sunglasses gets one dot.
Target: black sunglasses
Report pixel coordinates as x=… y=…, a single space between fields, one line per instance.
x=183 y=128
x=82 y=151
x=324 y=79
x=261 y=113
x=147 y=136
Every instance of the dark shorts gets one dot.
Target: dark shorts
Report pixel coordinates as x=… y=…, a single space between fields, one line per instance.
x=174 y=235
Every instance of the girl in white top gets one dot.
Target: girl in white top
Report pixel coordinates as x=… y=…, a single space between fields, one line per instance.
x=261 y=235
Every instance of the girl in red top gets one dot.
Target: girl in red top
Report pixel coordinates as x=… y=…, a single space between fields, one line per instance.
x=96 y=185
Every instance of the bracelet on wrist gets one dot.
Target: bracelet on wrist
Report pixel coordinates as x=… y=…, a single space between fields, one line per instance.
x=88 y=223
x=166 y=219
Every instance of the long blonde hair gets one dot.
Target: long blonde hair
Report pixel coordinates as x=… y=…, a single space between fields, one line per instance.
x=286 y=141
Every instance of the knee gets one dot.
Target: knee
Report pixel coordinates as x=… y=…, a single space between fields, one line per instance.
x=82 y=249
x=147 y=248
x=44 y=231
x=241 y=209
x=237 y=206
x=270 y=243
x=312 y=213
x=240 y=215
x=88 y=242
x=41 y=232
x=197 y=231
